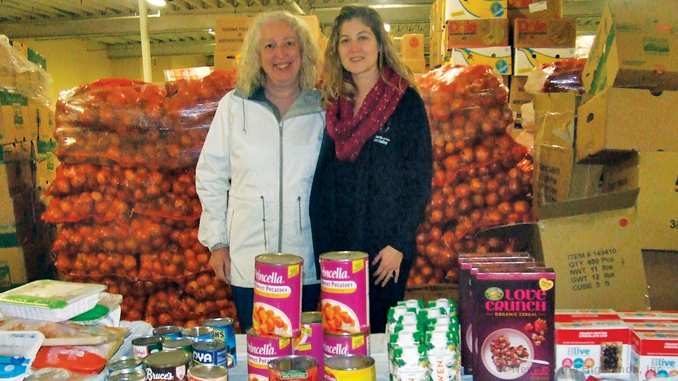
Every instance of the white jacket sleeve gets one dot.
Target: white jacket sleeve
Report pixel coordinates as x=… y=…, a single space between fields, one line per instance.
x=212 y=176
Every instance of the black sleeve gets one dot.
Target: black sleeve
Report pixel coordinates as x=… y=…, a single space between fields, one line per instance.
x=417 y=169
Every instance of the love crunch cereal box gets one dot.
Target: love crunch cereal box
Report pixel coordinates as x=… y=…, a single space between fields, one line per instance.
x=597 y=348
x=513 y=320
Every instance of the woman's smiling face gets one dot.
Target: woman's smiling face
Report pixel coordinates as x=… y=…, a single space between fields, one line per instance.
x=358 y=48
x=280 y=54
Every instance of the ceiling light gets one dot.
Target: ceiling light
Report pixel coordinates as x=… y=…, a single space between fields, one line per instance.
x=387 y=27
x=157 y=3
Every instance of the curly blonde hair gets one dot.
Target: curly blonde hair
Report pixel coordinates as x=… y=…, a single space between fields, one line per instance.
x=337 y=81
x=251 y=75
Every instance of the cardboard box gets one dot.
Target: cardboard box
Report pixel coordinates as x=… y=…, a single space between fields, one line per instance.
x=654 y=355
x=497 y=57
x=593 y=246
x=313 y=24
x=544 y=33
x=417 y=66
x=433 y=292
x=655 y=173
x=626 y=119
x=187 y=73
x=435 y=57
x=474 y=9
x=478 y=33
x=518 y=96
x=635 y=46
x=226 y=60
x=557 y=177
x=412 y=47
x=526 y=59
x=534 y=9
x=14 y=107
x=230 y=32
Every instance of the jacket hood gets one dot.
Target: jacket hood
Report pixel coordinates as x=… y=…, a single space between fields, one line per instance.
x=308 y=102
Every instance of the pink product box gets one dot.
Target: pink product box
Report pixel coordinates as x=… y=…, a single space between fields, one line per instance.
x=654 y=355
x=574 y=315
x=648 y=315
x=597 y=348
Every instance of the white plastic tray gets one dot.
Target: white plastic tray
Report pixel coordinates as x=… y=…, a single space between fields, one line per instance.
x=21 y=347
x=50 y=300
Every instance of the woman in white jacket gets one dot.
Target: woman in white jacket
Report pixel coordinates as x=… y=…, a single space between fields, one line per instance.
x=256 y=167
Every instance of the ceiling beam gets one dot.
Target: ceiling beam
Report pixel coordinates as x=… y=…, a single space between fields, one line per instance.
x=163 y=49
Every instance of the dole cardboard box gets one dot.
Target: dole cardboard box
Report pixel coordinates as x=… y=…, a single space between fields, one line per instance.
x=597 y=348
x=230 y=32
x=534 y=8
x=498 y=57
x=656 y=174
x=412 y=47
x=635 y=46
x=477 y=33
x=526 y=59
x=592 y=243
x=474 y=9
x=544 y=33
x=654 y=355
x=617 y=120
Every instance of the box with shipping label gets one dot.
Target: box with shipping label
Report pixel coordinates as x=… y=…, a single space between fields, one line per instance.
x=498 y=57
x=656 y=174
x=474 y=9
x=477 y=33
x=635 y=46
x=618 y=120
x=534 y=9
x=597 y=348
x=412 y=47
x=544 y=33
x=526 y=59
x=417 y=65
x=654 y=355
x=230 y=32
x=583 y=314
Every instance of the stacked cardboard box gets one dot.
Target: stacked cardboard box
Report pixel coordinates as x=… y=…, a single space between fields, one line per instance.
x=26 y=126
x=412 y=52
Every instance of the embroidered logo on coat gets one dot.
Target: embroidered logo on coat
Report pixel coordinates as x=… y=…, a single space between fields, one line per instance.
x=381 y=140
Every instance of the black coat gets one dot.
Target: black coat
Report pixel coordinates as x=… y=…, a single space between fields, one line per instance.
x=378 y=200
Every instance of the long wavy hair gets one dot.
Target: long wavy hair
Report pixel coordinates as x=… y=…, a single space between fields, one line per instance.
x=337 y=81
x=251 y=75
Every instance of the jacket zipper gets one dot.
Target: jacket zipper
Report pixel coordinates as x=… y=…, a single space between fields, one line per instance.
x=301 y=228
x=263 y=220
x=280 y=192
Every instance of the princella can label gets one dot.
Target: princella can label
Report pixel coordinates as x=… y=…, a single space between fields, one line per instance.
x=346 y=344
x=344 y=292
x=277 y=295
x=261 y=350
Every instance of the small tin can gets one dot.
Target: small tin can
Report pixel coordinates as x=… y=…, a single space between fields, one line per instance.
x=208 y=373
x=199 y=333
x=168 y=331
x=293 y=368
x=124 y=363
x=350 y=368
x=172 y=366
x=127 y=375
x=146 y=345
x=261 y=350
x=209 y=352
x=346 y=344
x=223 y=330
x=183 y=343
x=344 y=291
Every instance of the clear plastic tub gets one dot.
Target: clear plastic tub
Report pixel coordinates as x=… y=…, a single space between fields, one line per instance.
x=50 y=300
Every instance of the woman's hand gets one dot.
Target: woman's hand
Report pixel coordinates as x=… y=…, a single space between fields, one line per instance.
x=221 y=263
x=389 y=267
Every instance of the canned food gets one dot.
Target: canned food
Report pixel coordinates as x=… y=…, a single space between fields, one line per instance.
x=125 y=363
x=171 y=366
x=293 y=368
x=262 y=350
x=198 y=333
x=344 y=291
x=127 y=375
x=183 y=343
x=146 y=345
x=277 y=295
x=209 y=352
x=346 y=344
x=350 y=368
x=310 y=341
x=168 y=331
x=223 y=330
x=208 y=373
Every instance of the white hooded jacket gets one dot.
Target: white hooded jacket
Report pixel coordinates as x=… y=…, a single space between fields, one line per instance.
x=270 y=164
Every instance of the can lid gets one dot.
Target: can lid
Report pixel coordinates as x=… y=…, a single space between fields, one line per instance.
x=124 y=362
x=179 y=342
x=279 y=259
x=310 y=317
x=343 y=255
x=168 y=359
x=349 y=362
x=293 y=363
x=127 y=375
x=197 y=331
x=209 y=371
x=218 y=322
x=206 y=345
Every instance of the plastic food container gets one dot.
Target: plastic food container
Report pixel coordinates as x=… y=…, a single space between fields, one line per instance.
x=17 y=352
x=50 y=300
